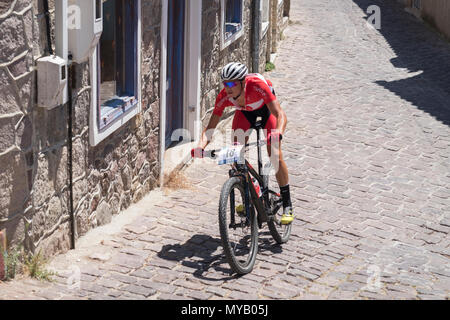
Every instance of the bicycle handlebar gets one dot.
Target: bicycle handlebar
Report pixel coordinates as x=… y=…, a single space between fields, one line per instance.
x=212 y=153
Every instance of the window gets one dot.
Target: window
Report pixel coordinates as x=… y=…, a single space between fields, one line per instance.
x=115 y=70
x=117 y=61
x=265 y=10
x=232 y=21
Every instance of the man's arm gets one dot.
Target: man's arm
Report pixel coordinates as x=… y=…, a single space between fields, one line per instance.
x=276 y=110
x=213 y=122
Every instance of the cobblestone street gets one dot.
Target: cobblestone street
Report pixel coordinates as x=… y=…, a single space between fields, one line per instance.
x=367 y=146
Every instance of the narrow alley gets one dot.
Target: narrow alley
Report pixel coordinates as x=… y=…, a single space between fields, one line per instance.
x=367 y=146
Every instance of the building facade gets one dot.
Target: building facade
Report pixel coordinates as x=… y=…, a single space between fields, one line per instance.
x=435 y=12
x=153 y=68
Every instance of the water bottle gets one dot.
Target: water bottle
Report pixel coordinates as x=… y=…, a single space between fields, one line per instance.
x=257 y=187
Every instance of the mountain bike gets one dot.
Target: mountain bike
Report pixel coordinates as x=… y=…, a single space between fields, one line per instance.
x=246 y=202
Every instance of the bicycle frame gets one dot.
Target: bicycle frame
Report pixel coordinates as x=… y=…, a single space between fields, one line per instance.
x=246 y=171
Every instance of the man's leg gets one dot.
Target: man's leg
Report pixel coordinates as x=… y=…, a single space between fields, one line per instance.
x=282 y=176
x=278 y=163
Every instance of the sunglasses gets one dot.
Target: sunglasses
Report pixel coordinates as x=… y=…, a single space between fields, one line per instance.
x=230 y=84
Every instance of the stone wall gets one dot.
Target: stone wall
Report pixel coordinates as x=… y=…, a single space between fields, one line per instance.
x=124 y=167
x=437 y=13
x=19 y=45
x=281 y=21
x=34 y=180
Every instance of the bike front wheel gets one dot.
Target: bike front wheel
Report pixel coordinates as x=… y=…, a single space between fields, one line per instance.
x=239 y=233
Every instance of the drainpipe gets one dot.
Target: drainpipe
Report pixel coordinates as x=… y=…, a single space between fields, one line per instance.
x=256 y=35
x=47 y=25
x=70 y=150
x=62 y=50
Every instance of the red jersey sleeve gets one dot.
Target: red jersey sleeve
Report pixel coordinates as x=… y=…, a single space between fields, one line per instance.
x=221 y=103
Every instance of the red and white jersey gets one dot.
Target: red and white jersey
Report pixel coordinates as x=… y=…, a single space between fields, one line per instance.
x=258 y=92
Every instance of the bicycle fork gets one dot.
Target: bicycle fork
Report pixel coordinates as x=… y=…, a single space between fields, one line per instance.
x=247 y=203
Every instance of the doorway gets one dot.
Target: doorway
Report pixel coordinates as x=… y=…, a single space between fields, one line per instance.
x=175 y=68
x=181 y=31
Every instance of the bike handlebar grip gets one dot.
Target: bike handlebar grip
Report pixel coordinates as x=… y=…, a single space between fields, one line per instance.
x=197 y=153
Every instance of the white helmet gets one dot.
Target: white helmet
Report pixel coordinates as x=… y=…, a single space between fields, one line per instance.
x=234 y=71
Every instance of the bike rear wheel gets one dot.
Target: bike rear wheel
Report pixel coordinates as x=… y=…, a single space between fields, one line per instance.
x=280 y=233
x=239 y=237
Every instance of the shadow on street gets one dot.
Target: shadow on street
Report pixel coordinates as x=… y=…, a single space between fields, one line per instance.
x=418 y=49
x=201 y=254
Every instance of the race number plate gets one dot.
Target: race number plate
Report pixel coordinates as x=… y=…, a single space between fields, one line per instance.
x=230 y=155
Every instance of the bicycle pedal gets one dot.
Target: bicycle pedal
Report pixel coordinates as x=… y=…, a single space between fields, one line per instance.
x=286 y=219
x=240 y=210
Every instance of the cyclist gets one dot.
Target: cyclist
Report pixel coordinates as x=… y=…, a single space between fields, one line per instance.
x=253 y=96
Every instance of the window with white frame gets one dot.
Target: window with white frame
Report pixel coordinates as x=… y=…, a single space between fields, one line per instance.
x=265 y=16
x=115 y=71
x=117 y=61
x=232 y=21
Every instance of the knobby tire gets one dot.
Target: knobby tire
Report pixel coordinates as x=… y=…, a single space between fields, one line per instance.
x=231 y=184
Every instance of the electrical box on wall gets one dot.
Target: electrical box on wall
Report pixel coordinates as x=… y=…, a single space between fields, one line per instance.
x=52 y=81
x=85 y=22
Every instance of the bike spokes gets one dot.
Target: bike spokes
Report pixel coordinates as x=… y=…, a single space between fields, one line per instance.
x=238 y=230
